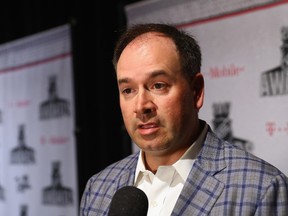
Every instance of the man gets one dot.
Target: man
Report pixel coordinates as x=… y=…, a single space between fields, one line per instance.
x=182 y=167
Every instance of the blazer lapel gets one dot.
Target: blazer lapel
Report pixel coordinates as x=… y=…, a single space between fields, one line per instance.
x=202 y=189
x=127 y=174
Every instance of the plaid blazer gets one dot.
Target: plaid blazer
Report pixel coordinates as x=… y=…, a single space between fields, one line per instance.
x=224 y=180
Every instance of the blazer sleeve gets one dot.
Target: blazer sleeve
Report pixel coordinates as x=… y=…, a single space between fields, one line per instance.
x=275 y=201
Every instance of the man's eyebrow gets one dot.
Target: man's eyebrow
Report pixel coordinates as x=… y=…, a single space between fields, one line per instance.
x=158 y=73
x=151 y=75
x=123 y=80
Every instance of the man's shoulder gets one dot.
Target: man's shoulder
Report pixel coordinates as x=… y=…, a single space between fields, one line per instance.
x=126 y=163
x=116 y=169
x=246 y=164
x=238 y=159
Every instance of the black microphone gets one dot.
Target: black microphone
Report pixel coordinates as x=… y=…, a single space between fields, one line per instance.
x=129 y=201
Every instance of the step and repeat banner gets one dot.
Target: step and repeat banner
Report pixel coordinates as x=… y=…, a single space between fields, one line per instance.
x=37 y=143
x=245 y=67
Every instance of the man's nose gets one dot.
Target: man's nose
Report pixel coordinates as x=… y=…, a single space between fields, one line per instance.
x=144 y=104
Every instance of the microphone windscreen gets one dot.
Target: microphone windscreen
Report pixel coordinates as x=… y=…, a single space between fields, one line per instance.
x=129 y=201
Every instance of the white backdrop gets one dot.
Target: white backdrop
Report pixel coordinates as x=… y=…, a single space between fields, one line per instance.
x=245 y=55
x=37 y=146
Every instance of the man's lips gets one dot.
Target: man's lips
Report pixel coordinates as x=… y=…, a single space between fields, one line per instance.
x=148 y=128
x=147 y=125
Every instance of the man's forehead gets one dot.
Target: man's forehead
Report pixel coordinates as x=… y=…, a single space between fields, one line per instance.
x=148 y=37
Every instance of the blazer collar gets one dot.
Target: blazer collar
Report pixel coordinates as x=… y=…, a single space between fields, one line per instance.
x=202 y=189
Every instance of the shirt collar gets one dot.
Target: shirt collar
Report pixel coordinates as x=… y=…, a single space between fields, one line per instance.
x=184 y=164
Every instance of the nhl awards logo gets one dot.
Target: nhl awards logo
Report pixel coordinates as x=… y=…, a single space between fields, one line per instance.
x=54 y=106
x=56 y=193
x=222 y=126
x=22 y=154
x=275 y=81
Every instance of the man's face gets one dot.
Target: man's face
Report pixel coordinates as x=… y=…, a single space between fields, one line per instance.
x=159 y=106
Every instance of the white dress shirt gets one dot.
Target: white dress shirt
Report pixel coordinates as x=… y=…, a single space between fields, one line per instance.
x=164 y=188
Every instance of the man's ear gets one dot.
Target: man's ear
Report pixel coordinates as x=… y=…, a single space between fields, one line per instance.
x=198 y=90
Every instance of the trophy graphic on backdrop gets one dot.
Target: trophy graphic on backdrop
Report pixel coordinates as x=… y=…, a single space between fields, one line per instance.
x=222 y=125
x=22 y=154
x=56 y=193
x=53 y=107
x=275 y=81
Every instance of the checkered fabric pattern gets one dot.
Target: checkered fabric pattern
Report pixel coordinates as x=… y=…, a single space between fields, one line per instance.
x=224 y=181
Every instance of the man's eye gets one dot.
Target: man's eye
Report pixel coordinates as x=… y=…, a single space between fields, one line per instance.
x=127 y=91
x=159 y=85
